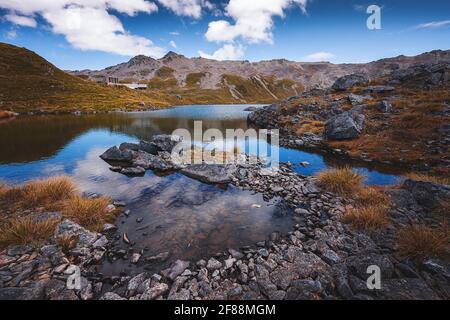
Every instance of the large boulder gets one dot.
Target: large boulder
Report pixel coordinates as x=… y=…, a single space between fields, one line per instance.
x=115 y=154
x=347 y=125
x=349 y=81
x=210 y=173
x=160 y=143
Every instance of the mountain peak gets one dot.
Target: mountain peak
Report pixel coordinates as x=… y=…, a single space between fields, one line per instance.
x=172 y=55
x=139 y=59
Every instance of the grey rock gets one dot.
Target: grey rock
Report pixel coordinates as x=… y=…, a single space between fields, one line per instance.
x=182 y=295
x=129 y=146
x=101 y=242
x=115 y=154
x=111 y=296
x=347 y=125
x=213 y=264
x=235 y=254
x=177 y=268
x=135 y=282
x=71 y=229
x=330 y=257
x=427 y=194
x=133 y=171
x=210 y=173
x=12 y=293
x=304 y=290
x=349 y=81
x=155 y=291
x=19 y=250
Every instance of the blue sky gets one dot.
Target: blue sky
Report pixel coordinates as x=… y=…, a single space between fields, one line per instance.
x=79 y=34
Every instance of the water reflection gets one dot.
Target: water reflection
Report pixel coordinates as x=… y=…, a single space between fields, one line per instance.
x=180 y=215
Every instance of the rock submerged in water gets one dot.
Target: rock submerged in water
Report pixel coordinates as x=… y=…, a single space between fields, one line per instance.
x=347 y=125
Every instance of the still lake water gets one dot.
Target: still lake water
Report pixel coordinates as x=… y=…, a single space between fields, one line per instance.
x=180 y=215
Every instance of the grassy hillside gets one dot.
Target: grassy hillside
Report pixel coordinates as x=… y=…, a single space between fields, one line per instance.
x=232 y=89
x=30 y=83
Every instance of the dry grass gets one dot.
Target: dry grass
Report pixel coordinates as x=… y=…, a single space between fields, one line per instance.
x=67 y=242
x=43 y=193
x=371 y=197
x=428 y=178
x=371 y=217
x=57 y=194
x=419 y=242
x=316 y=127
x=89 y=213
x=342 y=181
x=26 y=231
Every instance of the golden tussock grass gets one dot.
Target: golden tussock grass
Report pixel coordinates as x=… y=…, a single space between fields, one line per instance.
x=371 y=197
x=310 y=126
x=370 y=217
x=371 y=205
x=57 y=194
x=428 y=178
x=43 y=193
x=26 y=231
x=342 y=181
x=419 y=242
x=89 y=213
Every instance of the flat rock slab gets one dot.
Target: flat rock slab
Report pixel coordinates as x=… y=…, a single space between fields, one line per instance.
x=210 y=173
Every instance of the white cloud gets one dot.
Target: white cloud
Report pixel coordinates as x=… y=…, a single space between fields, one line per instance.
x=21 y=20
x=88 y=24
x=433 y=25
x=173 y=44
x=253 y=20
x=227 y=52
x=11 y=34
x=189 y=8
x=320 y=56
x=174 y=33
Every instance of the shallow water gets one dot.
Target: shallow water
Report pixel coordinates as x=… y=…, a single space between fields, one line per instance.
x=184 y=216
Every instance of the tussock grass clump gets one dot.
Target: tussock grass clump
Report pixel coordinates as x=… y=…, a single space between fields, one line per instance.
x=419 y=242
x=44 y=193
x=89 y=213
x=428 y=178
x=67 y=242
x=26 y=231
x=18 y=224
x=370 y=217
x=371 y=205
x=371 y=197
x=342 y=181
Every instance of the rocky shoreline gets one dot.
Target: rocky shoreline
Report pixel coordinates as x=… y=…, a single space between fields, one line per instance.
x=321 y=258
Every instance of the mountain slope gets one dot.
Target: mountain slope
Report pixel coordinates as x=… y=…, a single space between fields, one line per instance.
x=179 y=69
x=30 y=83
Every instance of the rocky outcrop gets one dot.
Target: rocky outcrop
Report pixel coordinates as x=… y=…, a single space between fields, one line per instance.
x=427 y=194
x=347 y=125
x=425 y=75
x=116 y=155
x=346 y=82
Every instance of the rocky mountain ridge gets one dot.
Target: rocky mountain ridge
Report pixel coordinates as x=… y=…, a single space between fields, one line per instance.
x=211 y=72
